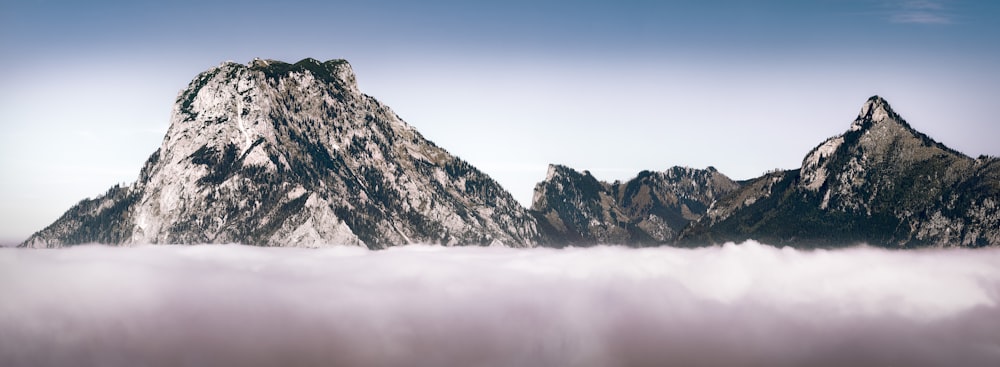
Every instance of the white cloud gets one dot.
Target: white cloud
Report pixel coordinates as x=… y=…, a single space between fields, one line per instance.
x=920 y=12
x=430 y=306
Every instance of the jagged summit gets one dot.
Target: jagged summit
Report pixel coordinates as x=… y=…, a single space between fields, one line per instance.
x=260 y=63
x=558 y=170
x=876 y=109
x=278 y=154
x=876 y=135
x=338 y=68
x=573 y=207
x=880 y=182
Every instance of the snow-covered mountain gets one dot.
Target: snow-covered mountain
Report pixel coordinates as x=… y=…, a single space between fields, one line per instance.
x=881 y=183
x=650 y=209
x=279 y=154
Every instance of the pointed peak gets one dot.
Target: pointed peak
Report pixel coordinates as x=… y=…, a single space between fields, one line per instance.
x=877 y=99
x=876 y=109
x=558 y=171
x=551 y=172
x=555 y=170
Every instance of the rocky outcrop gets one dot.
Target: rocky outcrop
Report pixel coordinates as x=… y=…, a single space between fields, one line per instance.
x=881 y=183
x=278 y=154
x=575 y=208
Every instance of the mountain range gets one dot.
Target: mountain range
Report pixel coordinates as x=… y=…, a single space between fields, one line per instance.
x=276 y=154
x=881 y=182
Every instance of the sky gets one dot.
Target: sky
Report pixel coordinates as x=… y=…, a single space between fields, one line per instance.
x=747 y=304
x=614 y=87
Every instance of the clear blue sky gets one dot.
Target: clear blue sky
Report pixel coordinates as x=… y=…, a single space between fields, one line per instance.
x=610 y=86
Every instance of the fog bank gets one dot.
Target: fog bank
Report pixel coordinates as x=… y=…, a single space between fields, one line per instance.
x=747 y=304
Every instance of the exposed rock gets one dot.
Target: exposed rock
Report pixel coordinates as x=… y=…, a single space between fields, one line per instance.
x=881 y=183
x=280 y=154
x=652 y=208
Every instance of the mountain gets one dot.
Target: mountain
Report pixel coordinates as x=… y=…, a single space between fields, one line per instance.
x=881 y=183
x=650 y=209
x=279 y=154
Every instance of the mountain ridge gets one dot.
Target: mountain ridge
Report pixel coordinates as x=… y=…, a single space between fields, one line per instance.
x=294 y=154
x=649 y=209
x=881 y=182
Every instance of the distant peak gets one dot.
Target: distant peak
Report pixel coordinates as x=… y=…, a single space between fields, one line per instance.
x=561 y=171
x=875 y=109
x=554 y=170
x=553 y=167
x=876 y=98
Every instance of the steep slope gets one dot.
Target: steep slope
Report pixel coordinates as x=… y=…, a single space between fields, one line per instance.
x=575 y=208
x=881 y=183
x=279 y=154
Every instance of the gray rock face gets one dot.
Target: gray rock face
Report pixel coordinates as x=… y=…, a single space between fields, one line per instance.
x=881 y=183
x=279 y=154
x=650 y=209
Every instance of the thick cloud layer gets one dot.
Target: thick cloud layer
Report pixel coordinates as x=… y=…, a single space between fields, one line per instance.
x=746 y=304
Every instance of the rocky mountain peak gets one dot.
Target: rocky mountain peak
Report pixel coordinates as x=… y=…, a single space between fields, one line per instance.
x=876 y=109
x=574 y=207
x=880 y=182
x=558 y=180
x=336 y=71
x=279 y=154
x=558 y=171
x=878 y=132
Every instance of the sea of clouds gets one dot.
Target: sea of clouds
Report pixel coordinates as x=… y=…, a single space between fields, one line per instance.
x=746 y=304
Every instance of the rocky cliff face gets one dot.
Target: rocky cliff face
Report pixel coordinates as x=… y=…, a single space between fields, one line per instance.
x=279 y=154
x=881 y=183
x=652 y=208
